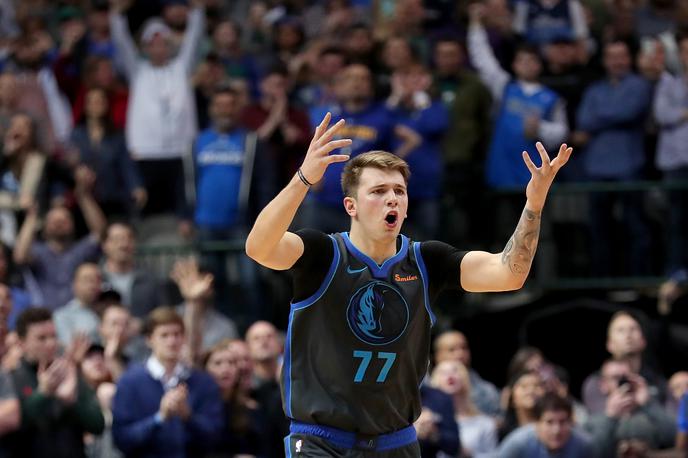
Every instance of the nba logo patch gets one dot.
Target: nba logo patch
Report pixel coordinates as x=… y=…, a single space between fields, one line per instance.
x=298 y=445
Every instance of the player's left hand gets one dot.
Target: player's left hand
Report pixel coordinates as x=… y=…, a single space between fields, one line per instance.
x=542 y=177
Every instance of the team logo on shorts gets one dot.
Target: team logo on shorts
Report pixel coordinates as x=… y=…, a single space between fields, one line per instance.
x=377 y=314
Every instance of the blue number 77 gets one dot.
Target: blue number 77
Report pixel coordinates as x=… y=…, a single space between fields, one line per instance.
x=366 y=356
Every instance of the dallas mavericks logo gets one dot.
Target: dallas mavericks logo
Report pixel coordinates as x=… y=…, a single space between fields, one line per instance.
x=377 y=313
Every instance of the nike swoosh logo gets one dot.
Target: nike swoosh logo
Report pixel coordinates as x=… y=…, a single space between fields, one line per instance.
x=355 y=271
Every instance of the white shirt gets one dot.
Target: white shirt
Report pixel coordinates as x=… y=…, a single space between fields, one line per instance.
x=179 y=374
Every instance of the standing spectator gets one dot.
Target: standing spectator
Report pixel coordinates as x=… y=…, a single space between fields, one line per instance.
x=540 y=22
x=671 y=113
x=552 y=435
x=284 y=128
x=54 y=260
x=625 y=342
x=244 y=431
x=22 y=172
x=453 y=346
x=114 y=334
x=118 y=188
x=208 y=76
x=99 y=73
x=414 y=108
x=525 y=389
x=610 y=124
x=265 y=351
x=163 y=407
x=139 y=289
x=57 y=406
x=478 y=431
x=161 y=121
x=629 y=413
x=463 y=151
x=233 y=175
x=80 y=315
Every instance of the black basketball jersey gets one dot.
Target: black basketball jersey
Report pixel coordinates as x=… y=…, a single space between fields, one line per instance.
x=357 y=349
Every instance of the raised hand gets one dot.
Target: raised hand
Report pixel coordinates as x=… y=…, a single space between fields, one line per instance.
x=76 y=351
x=193 y=285
x=542 y=177
x=50 y=376
x=318 y=156
x=66 y=390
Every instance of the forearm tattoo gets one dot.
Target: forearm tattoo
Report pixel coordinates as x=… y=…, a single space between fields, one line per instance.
x=520 y=249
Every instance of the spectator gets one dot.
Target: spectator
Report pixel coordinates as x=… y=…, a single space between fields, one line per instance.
x=359 y=44
x=208 y=76
x=429 y=119
x=397 y=55
x=163 y=407
x=116 y=335
x=436 y=428
x=54 y=260
x=227 y=46
x=206 y=326
x=22 y=174
x=463 y=150
x=80 y=315
x=233 y=174
x=265 y=351
x=320 y=89
x=118 y=188
x=284 y=128
x=57 y=406
x=625 y=342
x=244 y=424
x=552 y=435
x=670 y=109
x=139 y=289
x=161 y=121
x=453 y=346
x=541 y=22
x=629 y=413
x=611 y=117
x=8 y=99
x=677 y=387
x=525 y=390
x=99 y=73
x=478 y=431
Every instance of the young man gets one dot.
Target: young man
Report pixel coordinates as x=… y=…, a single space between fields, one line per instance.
x=163 y=407
x=551 y=436
x=359 y=333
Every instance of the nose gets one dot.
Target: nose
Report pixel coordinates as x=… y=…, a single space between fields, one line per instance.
x=392 y=198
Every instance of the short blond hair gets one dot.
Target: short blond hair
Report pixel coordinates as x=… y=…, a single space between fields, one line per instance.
x=382 y=160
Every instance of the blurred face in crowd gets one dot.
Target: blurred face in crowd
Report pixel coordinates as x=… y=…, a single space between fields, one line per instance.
x=527 y=66
x=452 y=346
x=274 y=86
x=96 y=104
x=18 y=137
x=115 y=323
x=244 y=364
x=222 y=366
x=397 y=53
x=329 y=64
x=625 y=337
x=94 y=369
x=526 y=391
x=225 y=36
x=98 y=22
x=175 y=16
x=262 y=341
x=166 y=342
x=104 y=74
x=59 y=225
x=87 y=283
x=8 y=90
x=448 y=58
x=561 y=54
x=225 y=109
x=617 y=60
x=158 y=49
x=416 y=79
x=359 y=41
x=40 y=343
x=611 y=374
x=120 y=244
x=355 y=84
x=553 y=429
x=451 y=377
x=678 y=384
x=287 y=36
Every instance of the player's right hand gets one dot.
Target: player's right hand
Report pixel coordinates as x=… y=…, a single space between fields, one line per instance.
x=318 y=156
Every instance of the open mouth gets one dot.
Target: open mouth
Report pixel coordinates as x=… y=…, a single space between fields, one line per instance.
x=391 y=218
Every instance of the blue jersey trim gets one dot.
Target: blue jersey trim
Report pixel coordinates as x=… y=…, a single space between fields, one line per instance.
x=287 y=446
x=377 y=271
x=302 y=305
x=326 y=282
x=350 y=441
x=424 y=277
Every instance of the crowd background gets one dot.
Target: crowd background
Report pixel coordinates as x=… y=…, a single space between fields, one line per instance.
x=139 y=139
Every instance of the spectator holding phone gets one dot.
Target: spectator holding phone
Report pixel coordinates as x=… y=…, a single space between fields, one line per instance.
x=630 y=415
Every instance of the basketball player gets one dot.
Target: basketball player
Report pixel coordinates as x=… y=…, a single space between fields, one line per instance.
x=358 y=340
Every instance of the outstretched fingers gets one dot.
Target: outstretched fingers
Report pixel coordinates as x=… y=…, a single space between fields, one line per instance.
x=321 y=127
x=529 y=162
x=563 y=156
x=543 y=154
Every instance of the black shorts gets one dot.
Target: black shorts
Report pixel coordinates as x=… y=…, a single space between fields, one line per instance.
x=308 y=446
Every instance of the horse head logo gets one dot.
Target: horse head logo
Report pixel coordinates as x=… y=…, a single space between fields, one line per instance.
x=377 y=313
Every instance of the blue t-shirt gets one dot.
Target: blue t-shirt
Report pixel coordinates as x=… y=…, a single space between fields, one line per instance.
x=683 y=415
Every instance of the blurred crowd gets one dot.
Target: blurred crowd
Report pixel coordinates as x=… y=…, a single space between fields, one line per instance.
x=115 y=113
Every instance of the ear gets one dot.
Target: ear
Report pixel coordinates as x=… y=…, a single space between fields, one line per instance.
x=350 y=206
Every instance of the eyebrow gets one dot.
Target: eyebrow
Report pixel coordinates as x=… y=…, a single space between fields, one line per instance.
x=386 y=185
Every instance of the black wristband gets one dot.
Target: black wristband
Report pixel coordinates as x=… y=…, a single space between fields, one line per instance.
x=303 y=178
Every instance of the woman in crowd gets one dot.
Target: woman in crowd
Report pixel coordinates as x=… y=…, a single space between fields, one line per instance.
x=524 y=389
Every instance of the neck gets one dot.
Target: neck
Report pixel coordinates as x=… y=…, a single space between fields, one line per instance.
x=355 y=105
x=524 y=416
x=378 y=250
x=168 y=364
x=119 y=267
x=634 y=360
x=462 y=406
x=265 y=370
x=57 y=245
